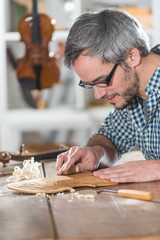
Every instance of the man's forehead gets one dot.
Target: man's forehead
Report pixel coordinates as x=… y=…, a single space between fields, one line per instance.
x=88 y=59
x=93 y=62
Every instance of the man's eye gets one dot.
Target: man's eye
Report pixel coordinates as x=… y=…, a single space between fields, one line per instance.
x=101 y=84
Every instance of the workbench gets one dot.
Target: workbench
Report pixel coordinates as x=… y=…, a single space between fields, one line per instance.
x=63 y=216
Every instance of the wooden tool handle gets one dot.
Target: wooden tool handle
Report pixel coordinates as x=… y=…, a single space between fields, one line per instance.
x=136 y=194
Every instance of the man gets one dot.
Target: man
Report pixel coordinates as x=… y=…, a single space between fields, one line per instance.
x=110 y=52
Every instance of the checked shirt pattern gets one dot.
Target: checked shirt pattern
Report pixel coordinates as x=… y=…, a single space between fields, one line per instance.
x=129 y=127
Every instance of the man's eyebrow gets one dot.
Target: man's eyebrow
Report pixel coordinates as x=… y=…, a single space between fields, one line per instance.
x=102 y=77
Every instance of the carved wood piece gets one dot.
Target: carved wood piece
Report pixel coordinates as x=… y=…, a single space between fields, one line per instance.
x=55 y=184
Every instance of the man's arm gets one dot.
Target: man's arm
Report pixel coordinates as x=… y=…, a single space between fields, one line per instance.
x=99 y=152
x=110 y=154
x=133 y=171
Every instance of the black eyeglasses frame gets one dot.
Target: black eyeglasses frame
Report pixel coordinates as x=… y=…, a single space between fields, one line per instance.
x=106 y=81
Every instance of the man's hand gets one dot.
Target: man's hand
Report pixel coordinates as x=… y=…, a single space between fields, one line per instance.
x=135 y=171
x=86 y=158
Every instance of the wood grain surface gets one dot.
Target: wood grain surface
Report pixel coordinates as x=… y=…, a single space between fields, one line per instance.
x=24 y=217
x=108 y=216
x=64 y=216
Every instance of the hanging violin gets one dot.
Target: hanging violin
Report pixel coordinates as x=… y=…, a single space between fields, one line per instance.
x=36 y=70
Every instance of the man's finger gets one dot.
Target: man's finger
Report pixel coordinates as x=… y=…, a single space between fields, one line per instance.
x=61 y=159
x=73 y=156
x=110 y=170
x=80 y=167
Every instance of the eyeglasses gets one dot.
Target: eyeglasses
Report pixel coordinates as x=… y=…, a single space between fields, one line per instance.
x=102 y=84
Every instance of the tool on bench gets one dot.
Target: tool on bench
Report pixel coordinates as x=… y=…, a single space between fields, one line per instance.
x=128 y=193
x=6 y=156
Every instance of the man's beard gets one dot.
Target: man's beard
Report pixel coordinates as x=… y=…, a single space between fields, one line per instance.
x=133 y=90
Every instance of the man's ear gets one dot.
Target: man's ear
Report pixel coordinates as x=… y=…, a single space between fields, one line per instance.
x=134 y=57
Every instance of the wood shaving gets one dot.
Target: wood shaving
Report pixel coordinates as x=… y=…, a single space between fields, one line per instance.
x=40 y=194
x=85 y=196
x=59 y=194
x=30 y=170
x=72 y=190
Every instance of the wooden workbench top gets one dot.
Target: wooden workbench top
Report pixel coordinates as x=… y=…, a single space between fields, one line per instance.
x=64 y=216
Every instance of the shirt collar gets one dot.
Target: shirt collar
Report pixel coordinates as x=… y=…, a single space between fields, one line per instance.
x=153 y=86
x=152 y=92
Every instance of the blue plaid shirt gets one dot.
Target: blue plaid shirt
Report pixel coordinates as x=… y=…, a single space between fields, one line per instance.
x=129 y=127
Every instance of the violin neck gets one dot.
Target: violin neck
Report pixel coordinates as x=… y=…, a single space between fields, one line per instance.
x=36 y=37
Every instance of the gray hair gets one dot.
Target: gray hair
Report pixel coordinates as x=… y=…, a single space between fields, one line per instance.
x=110 y=33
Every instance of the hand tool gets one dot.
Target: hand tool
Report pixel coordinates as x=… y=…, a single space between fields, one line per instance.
x=128 y=193
x=71 y=170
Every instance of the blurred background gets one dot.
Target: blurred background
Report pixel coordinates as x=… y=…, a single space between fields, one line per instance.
x=64 y=113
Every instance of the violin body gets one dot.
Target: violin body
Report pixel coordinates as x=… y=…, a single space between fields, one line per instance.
x=37 y=70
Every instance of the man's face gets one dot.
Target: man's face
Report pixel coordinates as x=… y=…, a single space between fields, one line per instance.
x=124 y=85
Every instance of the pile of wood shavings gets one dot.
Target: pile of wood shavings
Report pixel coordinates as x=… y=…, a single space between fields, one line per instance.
x=29 y=170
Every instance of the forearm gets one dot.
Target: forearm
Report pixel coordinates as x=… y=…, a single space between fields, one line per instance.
x=105 y=148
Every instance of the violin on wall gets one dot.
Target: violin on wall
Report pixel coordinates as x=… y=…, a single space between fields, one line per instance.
x=37 y=69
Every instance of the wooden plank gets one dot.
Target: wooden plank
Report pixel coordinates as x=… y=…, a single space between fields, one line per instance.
x=108 y=216
x=50 y=168
x=55 y=184
x=24 y=217
x=130 y=238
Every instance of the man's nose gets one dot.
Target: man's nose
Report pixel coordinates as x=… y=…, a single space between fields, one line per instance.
x=99 y=93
